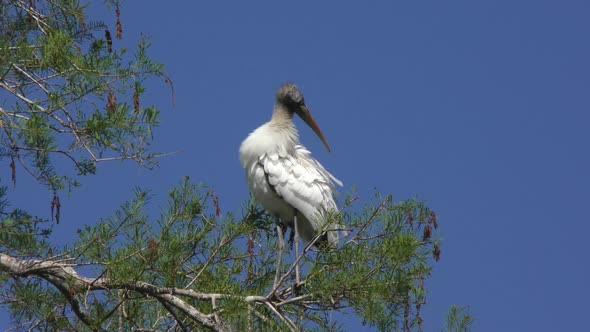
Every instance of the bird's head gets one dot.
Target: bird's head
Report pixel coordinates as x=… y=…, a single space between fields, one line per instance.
x=289 y=96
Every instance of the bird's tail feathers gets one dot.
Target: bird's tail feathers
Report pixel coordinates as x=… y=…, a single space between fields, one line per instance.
x=332 y=230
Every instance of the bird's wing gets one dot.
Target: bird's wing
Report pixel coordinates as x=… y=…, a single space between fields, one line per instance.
x=302 y=182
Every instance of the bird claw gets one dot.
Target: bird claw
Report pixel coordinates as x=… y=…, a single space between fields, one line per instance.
x=295 y=288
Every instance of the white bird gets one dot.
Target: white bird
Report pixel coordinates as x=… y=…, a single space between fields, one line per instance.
x=283 y=176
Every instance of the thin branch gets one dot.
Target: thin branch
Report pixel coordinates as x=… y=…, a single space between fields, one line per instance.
x=284 y=318
x=24 y=72
x=35 y=15
x=173 y=313
x=371 y=218
x=293 y=300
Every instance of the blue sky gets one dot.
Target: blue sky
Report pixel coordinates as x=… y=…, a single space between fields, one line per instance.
x=479 y=108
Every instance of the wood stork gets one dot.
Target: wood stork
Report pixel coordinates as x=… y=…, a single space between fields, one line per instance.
x=283 y=176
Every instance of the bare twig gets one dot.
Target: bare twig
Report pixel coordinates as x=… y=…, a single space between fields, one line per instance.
x=381 y=206
x=283 y=318
x=24 y=72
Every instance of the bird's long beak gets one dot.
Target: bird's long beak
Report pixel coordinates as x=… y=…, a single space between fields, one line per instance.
x=304 y=114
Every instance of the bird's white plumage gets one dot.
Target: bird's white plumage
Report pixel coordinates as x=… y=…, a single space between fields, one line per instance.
x=286 y=179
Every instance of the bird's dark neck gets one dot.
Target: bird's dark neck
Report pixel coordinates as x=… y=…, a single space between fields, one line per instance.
x=282 y=116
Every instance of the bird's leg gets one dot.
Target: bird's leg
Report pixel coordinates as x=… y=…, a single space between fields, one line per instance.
x=281 y=252
x=291 y=238
x=297 y=277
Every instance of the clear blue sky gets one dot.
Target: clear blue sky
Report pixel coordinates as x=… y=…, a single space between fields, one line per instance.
x=479 y=108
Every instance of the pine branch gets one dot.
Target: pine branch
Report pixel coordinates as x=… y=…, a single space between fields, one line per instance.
x=63 y=276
